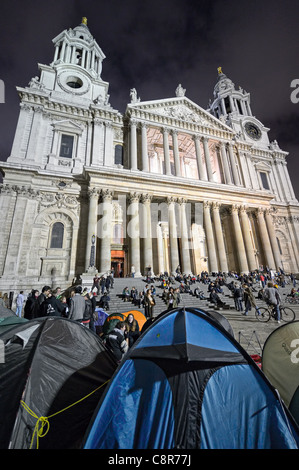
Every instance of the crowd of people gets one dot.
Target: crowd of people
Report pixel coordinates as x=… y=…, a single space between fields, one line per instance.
x=80 y=304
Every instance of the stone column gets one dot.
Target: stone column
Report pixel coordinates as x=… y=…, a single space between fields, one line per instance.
x=265 y=239
x=207 y=158
x=240 y=248
x=134 y=232
x=202 y=172
x=161 y=264
x=173 y=237
x=105 y=231
x=219 y=237
x=144 y=147
x=225 y=163
x=93 y=195
x=233 y=164
x=212 y=258
x=272 y=237
x=252 y=265
x=186 y=268
x=166 y=151
x=176 y=153
x=147 y=231
x=133 y=145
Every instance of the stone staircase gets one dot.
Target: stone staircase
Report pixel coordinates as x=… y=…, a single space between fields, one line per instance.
x=117 y=304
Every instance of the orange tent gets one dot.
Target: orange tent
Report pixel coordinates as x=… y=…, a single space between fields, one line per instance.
x=139 y=317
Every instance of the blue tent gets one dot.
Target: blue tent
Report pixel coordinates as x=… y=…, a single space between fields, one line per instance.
x=188 y=384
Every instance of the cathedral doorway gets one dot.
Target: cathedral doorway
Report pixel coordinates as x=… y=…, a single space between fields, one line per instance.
x=118 y=262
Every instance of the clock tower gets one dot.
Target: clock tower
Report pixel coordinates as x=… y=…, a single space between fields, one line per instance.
x=232 y=106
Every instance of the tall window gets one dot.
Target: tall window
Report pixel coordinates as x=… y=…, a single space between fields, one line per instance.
x=57 y=235
x=118 y=155
x=264 y=179
x=66 y=146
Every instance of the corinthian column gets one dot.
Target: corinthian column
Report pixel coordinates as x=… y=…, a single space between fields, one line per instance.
x=272 y=236
x=133 y=231
x=166 y=151
x=265 y=239
x=176 y=152
x=247 y=239
x=210 y=237
x=105 y=230
x=207 y=158
x=186 y=268
x=202 y=173
x=133 y=145
x=93 y=195
x=225 y=163
x=144 y=147
x=173 y=237
x=147 y=231
x=219 y=237
x=240 y=248
x=233 y=164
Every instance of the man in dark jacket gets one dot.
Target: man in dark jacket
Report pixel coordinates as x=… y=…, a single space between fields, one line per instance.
x=53 y=306
x=38 y=310
x=116 y=342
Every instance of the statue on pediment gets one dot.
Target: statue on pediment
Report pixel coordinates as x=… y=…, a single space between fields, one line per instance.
x=180 y=91
x=133 y=95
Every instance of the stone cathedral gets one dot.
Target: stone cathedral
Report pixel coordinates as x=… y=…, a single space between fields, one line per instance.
x=166 y=184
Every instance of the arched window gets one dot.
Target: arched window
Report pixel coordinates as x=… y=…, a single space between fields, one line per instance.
x=57 y=235
x=118 y=155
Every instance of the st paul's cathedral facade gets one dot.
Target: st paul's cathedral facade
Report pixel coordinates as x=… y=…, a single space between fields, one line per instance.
x=166 y=184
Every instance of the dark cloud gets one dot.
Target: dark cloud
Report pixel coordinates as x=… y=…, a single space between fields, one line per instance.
x=153 y=45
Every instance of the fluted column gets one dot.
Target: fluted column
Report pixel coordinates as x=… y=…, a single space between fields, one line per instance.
x=105 y=230
x=212 y=258
x=147 y=231
x=202 y=172
x=186 y=268
x=272 y=237
x=176 y=154
x=265 y=239
x=161 y=264
x=225 y=163
x=133 y=231
x=252 y=265
x=207 y=158
x=133 y=145
x=93 y=195
x=240 y=248
x=233 y=164
x=165 y=132
x=173 y=237
x=144 y=151
x=219 y=237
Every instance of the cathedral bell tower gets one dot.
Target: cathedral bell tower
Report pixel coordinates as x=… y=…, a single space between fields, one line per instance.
x=232 y=106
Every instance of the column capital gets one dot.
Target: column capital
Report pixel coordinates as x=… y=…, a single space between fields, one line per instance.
x=196 y=137
x=204 y=138
x=174 y=131
x=134 y=122
x=146 y=198
x=106 y=195
x=134 y=197
x=216 y=205
x=171 y=200
x=93 y=193
x=143 y=125
x=165 y=130
x=182 y=200
x=207 y=204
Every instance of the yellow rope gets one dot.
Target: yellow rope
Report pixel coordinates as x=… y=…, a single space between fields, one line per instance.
x=43 y=421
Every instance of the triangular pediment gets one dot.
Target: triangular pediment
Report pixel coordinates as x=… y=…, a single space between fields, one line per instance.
x=67 y=125
x=180 y=109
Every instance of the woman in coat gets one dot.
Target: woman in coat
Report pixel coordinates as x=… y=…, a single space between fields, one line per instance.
x=249 y=300
x=149 y=303
x=132 y=329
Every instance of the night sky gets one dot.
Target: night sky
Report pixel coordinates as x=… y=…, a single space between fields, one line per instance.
x=153 y=45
